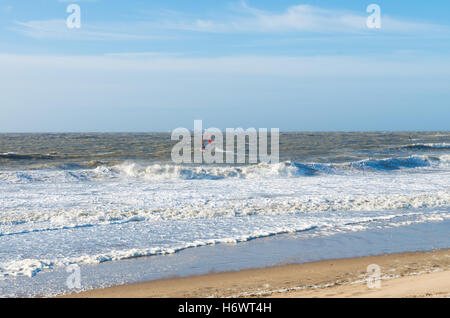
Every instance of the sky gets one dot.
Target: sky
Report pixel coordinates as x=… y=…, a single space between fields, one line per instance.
x=290 y=64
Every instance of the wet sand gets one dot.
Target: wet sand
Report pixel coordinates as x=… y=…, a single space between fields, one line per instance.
x=415 y=274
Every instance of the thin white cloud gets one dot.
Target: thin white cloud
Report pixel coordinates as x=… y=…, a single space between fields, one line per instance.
x=57 y=29
x=298 y=19
x=301 y=18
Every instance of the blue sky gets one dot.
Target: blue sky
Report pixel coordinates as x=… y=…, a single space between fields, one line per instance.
x=157 y=65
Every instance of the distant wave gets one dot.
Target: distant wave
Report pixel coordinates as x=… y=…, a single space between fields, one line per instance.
x=18 y=156
x=52 y=156
x=430 y=146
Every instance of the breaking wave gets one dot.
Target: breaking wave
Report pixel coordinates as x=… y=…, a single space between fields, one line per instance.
x=71 y=173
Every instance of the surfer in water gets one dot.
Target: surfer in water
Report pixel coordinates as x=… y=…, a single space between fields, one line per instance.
x=207 y=142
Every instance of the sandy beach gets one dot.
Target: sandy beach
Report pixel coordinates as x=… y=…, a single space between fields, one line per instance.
x=415 y=274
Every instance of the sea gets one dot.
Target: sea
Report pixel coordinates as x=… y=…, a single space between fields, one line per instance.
x=116 y=207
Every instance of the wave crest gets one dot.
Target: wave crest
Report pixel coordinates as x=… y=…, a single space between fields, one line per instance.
x=286 y=169
x=429 y=146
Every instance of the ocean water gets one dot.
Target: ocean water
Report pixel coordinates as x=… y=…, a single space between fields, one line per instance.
x=90 y=199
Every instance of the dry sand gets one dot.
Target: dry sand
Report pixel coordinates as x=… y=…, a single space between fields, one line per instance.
x=417 y=274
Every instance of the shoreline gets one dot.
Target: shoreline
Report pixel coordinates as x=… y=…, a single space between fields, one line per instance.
x=409 y=274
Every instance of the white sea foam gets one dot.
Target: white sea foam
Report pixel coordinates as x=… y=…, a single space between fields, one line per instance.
x=52 y=218
x=207 y=233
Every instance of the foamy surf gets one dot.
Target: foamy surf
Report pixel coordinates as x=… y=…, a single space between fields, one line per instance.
x=213 y=233
x=60 y=207
x=154 y=216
